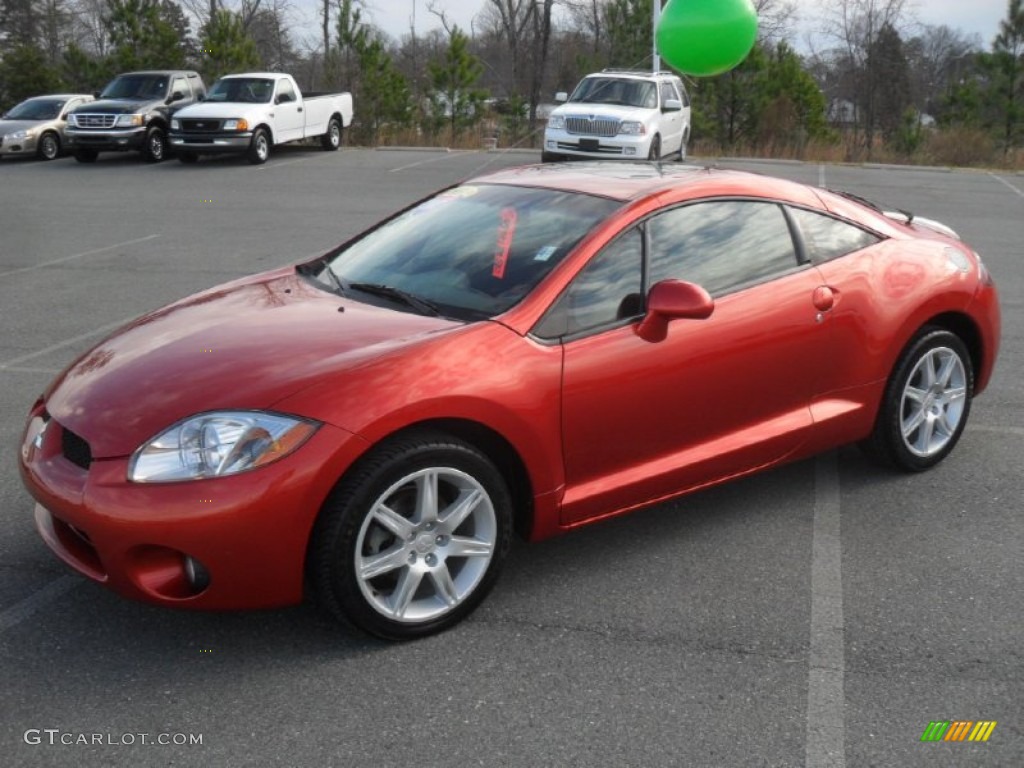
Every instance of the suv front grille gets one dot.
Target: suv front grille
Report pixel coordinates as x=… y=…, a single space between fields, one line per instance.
x=203 y=126
x=95 y=121
x=75 y=449
x=587 y=126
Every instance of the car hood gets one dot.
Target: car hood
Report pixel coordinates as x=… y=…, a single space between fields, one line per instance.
x=119 y=106
x=585 y=109
x=13 y=126
x=244 y=345
x=221 y=109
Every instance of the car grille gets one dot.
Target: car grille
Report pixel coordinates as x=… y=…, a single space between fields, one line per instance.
x=75 y=449
x=200 y=125
x=592 y=126
x=95 y=121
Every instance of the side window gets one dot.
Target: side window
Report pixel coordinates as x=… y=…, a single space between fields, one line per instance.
x=683 y=92
x=668 y=92
x=722 y=246
x=828 y=238
x=606 y=291
x=197 y=86
x=180 y=85
x=285 y=92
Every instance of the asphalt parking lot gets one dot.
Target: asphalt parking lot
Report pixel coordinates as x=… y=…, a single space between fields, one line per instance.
x=821 y=614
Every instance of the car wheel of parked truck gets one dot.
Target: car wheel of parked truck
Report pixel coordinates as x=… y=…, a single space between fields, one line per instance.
x=331 y=140
x=155 y=148
x=259 y=147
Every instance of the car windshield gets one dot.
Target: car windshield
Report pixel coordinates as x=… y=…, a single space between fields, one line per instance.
x=471 y=251
x=616 y=90
x=247 y=90
x=36 y=109
x=136 y=87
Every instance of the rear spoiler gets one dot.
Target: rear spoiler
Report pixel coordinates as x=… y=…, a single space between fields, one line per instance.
x=910 y=219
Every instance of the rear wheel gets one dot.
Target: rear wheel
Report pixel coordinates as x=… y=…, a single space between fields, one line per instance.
x=926 y=403
x=155 y=148
x=86 y=155
x=411 y=542
x=259 y=147
x=48 y=147
x=655 y=151
x=331 y=140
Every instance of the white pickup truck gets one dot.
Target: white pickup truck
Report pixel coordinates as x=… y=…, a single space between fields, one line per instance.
x=248 y=113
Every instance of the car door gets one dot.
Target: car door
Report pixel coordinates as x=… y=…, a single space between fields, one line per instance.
x=671 y=121
x=716 y=397
x=288 y=117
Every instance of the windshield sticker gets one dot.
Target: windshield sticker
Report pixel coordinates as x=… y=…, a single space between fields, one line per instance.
x=545 y=253
x=506 y=231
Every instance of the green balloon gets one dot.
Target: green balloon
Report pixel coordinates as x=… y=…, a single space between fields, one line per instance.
x=706 y=37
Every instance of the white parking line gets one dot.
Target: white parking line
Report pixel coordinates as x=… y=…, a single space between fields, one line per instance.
x=10 y=363
x=62 y=259
x=821 y=176
x=20 y=611
x=1001 y=180
x=443 y=156
x=826 y=700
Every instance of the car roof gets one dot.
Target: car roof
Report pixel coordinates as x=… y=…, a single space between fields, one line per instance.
x=626 y=181
x=62 y=96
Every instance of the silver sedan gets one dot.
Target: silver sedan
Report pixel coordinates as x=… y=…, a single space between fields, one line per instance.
x=36 y=125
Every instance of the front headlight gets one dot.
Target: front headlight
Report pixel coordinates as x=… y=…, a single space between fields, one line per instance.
x=218 y=444
x=128 y=121
x=175 y=125
x=632 y=128
x=18 y=135
x=556 y=122
x=236 y=125
x=73 y=119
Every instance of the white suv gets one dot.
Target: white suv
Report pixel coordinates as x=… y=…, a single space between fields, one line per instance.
x=620 y=114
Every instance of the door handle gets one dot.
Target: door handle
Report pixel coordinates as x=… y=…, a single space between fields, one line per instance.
x=824 y=298
x=300 y=109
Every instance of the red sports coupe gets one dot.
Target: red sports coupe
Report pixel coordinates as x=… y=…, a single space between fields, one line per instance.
x=529 y=351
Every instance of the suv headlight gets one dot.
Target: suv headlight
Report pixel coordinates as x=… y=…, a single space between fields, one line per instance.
x=127 y=121
x=217 y=444
x=556 y=122
x=632 y=128
x=175 y=125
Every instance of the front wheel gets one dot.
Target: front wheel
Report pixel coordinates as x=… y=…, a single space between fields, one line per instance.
x=331 y=141
x=49 y=146
x=259 y=147
x=926 y=403
x=155 y=148
x=413 y=539
x=655 y=151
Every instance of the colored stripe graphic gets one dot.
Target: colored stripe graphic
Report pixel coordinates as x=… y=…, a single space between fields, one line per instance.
x=935 y=731
x=958 y=730
x=982 y=730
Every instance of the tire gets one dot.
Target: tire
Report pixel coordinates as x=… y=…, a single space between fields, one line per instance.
x=550 y=157
x=188 y=158
x=926 y=403
x=259 y=147
x=655 y=151
x=331 y=141
x=48 y=147
x=384 y=559
x=682 y=148
x=86 y=155
x=155 y=148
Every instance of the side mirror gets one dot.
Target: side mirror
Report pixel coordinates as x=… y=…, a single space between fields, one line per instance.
x=561 y=97
x=672 y=105
x=671 y=299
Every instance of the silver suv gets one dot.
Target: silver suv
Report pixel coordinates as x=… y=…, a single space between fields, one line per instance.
x=620 y=114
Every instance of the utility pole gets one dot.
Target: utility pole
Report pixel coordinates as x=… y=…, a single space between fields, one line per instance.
x=655 y=59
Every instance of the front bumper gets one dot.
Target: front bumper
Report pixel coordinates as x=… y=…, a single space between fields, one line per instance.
x=622 y=145
x=107 y=140
x=248 y=532
x=18 y=146
x=202 y=143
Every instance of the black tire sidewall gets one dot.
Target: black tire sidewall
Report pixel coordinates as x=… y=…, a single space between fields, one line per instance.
x=152 y=134
x=888 y=438
x=253 y=153
x=332 y=551
x=49 y=137
x=654 y=153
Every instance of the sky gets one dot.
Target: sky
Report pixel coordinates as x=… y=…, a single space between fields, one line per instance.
x=979 y=17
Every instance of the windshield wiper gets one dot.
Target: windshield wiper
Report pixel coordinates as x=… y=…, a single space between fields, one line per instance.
x=397 y=294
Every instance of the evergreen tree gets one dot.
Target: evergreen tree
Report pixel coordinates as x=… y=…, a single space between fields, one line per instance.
x=630 y=35
x=453 y=79
x=24 y=72
x=383 y=92
x=1005 y=70
x=227 y=47
x=143 y=35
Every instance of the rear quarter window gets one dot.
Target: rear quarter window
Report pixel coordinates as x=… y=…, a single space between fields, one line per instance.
x=826 y=238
